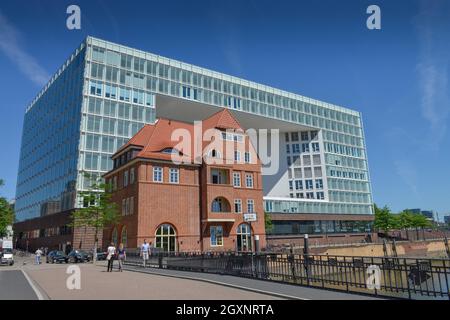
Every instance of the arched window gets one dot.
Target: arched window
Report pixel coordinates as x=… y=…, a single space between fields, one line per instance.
x=124 y=237
x=244 y=237
x=220 y=205
x=114 y=236
x=166 y=238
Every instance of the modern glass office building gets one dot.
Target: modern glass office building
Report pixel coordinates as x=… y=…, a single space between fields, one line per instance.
x=106 y=92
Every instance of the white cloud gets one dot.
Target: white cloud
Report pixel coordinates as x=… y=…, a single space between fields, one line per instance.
x=433 y=68
x=9 y=45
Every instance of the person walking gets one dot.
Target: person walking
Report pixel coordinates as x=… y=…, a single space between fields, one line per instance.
x=110 y=257
x=145 y=248
x=38 y=254
x=122 y=255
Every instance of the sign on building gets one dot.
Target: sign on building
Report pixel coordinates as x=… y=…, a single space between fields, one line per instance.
x=249 y=217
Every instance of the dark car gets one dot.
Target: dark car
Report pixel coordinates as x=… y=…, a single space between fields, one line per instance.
x=76 y=256
x=56 y=256
x=101 y=255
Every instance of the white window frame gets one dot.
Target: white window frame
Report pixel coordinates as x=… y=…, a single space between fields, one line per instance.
x=177 y=171
x=210 y=237
x=247 y=157
x=158 y=171
x=247 y=180
x=250 y=202
x=236 y=176
x=125 y=178
x=238 y=202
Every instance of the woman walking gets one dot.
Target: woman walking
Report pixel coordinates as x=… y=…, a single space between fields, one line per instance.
x=122 y=256
x=110 y=257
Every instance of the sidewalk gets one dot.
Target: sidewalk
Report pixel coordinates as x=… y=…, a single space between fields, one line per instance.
x=281 y=290
x=97 y=284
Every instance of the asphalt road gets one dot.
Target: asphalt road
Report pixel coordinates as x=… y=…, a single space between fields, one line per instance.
x=14 y=286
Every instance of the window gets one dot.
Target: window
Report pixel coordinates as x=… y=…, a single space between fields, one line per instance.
x=238 y=206
x=310 y=195
x=166 y=238
x=305 y=147
x=315 y=147
x=244 y=236
x=309 y=184
x=291 y=185
x=247 y=157
x=157 y=174
x=131 y=205
x=298 y=184
x=288 y=150
x=216 y=236
x=220 y=205
x=236 y=179
x=174 y=175
x=249 y=180
x=124 y=207
x=219 y=176
x=114 y=183
x=250 y=206
x=305 y=136
x=294 y=136
x=124 y=237
x=295 y=148
x=125 y=178
x=96 y=88
x=132 y=175
x=319 y=184
x=114 y=236
x=320 y=195
x=237 y=156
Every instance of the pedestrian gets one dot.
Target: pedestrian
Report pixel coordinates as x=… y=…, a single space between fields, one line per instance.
x=38 y=254
x=110 y=257
x=145 y=248
x=122 y=255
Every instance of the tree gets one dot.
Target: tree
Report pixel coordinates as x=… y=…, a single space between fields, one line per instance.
x=98 y=210
x=384 y=219
x=268 y=221
x=6 y=215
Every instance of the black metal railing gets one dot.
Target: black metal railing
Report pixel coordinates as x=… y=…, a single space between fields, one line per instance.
x=404 y=278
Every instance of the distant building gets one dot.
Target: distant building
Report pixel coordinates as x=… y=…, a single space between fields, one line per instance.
x=427 y=213
x=447 y=219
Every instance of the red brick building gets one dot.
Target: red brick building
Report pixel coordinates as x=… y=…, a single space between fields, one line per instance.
x=186 y=187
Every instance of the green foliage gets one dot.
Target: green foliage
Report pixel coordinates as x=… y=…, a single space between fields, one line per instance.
x=268 y=221
x=385 y=220
x=6 y=214
x=98 y=210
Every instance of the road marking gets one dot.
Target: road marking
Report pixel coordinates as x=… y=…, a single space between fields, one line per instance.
x=281 y=295
x=33 y=286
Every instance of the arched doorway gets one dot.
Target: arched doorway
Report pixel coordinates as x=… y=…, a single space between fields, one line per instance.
x=124 y=237
x=166 y=238
x=244 y=237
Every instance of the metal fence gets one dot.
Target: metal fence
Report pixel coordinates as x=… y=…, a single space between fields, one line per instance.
x=405 y=278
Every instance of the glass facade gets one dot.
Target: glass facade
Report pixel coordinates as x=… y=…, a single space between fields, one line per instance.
x=320 y=227
x=109 y=93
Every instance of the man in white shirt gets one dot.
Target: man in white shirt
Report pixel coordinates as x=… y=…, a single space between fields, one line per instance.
x=145 y=250
x=110 y=257
x=38 y=254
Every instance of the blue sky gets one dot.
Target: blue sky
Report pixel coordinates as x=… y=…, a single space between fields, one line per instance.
x=398 y=77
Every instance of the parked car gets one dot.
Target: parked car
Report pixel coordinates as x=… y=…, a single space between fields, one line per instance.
x=56 y=256
x=76 y=256
x=101 y=255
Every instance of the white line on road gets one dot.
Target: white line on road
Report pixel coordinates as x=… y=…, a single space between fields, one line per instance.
x=33 y=286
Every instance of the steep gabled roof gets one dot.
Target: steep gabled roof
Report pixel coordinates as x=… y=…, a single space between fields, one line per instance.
x=223 y=119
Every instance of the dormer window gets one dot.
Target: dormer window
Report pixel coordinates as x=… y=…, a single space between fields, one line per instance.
x=170 y=151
